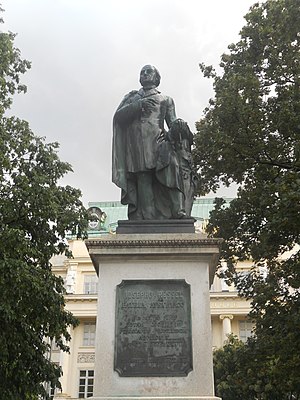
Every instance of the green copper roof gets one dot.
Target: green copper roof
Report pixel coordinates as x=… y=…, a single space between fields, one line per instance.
x=115 y=211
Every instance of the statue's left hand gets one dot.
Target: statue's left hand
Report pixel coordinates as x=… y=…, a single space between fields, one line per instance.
x=181 y=124
x=162 y=137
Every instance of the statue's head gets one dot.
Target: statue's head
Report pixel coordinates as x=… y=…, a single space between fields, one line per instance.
x=149 y=76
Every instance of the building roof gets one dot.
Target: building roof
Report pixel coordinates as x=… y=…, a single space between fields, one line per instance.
x=115 y=211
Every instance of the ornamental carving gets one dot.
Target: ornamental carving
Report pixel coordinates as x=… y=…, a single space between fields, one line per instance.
x=86 y=358
x=154 y=243
x=229 y=316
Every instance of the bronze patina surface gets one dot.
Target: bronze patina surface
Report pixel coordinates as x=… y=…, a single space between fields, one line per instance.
x=153 y=328
x=151 y=154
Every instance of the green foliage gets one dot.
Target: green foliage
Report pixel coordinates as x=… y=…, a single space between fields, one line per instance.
x=11 y=66
x=246 y=371
x=35 y=216
x=250 y=135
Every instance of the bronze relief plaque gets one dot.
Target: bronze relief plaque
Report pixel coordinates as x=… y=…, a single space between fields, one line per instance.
x=153 y=334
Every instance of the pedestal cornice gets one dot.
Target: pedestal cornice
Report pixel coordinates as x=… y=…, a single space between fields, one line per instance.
x=173 y=246
x=153 y=240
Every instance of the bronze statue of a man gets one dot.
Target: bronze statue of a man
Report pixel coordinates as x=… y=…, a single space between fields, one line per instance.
x=142 y=162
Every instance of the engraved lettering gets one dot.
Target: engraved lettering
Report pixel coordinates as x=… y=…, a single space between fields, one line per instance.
x=153 y=328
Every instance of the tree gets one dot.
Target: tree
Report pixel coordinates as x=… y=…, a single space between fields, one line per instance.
x=241 y=372
x=250 y=136
x=35 y=216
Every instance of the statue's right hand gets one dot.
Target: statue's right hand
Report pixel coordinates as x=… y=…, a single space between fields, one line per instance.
x=149 y=104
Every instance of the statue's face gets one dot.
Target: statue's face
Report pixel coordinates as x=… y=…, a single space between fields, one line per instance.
x=148 y=76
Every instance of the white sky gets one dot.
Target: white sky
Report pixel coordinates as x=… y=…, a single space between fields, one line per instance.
x=87 y=54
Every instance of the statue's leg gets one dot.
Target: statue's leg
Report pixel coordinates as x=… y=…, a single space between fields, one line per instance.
x=177 y=203
x=145 y=197
x=131 y=198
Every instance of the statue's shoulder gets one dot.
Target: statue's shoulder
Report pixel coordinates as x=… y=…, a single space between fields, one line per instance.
x=130 y=95
x=169 y=100
x=128 y=98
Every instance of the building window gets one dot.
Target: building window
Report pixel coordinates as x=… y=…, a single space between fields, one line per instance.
x=52 y=393
x=224 y=286
x=54 y=346
x=86 y=383
x=90 y=284
x=246 y=328
x=263 y=271
x=89 y=331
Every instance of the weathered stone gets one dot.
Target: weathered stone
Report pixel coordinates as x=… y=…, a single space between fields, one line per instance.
x=189 y=258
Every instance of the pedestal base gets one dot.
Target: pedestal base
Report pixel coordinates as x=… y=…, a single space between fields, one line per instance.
x=185 y=257
x=158 y=398
x=184 y=225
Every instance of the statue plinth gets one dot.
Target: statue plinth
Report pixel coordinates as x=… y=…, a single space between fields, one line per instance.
x=184 y=225
x=153 y=337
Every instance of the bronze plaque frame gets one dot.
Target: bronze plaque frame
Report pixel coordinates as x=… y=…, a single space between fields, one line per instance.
x=153 y=334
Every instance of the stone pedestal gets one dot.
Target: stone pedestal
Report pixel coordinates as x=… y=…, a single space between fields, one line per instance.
x=185 y=259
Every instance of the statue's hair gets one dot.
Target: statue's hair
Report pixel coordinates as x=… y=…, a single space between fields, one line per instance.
x=157 y=74
x=157 y=80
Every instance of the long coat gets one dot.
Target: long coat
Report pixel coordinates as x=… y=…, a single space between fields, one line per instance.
x=135 y=145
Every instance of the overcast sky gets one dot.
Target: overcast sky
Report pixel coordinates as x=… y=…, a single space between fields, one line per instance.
x=87 y=54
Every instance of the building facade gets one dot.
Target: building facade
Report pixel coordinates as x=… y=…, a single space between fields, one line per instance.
x=228 y=311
